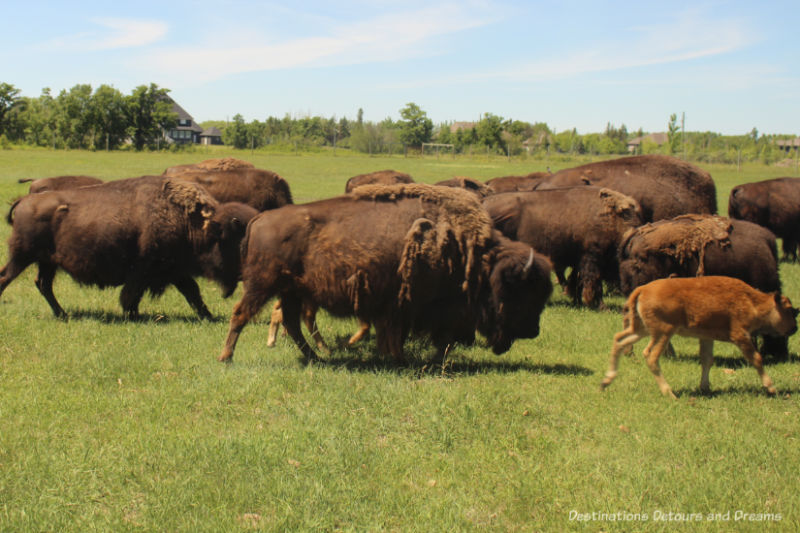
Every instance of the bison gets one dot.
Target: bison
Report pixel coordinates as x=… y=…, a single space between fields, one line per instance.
x=697 y=245
x=260 y=189
x=774 y=204
x=577 y=227
x=407 y=258
x=516 y=183
x=712 y=308
x=472 y=185
x=142 y=233
x=379 y=177
x=214 y=165
x=59 y=183
x=664 y=186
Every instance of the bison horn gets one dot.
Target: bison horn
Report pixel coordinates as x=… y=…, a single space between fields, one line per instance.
x=528 y=264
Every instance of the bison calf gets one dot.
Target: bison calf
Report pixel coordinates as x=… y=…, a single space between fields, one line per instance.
x=707 y=308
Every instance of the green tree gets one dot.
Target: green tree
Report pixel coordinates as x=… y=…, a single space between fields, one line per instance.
x=236 y=133
x=149 y=112
x=73 y=117
x=108 y=117
x=489 y=131
x=673 y=134
x=415 y=127
x=9 y=99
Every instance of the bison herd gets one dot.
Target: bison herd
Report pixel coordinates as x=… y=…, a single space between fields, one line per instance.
x=443 y=260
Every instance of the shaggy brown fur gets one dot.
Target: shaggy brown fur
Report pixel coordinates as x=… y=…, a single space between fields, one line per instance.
x=713 y=308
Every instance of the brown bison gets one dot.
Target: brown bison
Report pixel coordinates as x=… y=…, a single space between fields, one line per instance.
x=697 y=245
x=260 y=189
x=664 y=186
x=516 y=183
x=472 y=185
x=142 y=233
x=59 y=183
x=576 y=227
x=213 y=165
x=774 y=204
x=713 y=308
x=379 y=177
x=407 y=258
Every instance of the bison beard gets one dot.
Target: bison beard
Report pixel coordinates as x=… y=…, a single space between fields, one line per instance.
x=408 y=258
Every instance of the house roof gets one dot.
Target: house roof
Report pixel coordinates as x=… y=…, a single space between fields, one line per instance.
x=183 y=115
x=455 y=126
x=211 y=132
x=658 y=138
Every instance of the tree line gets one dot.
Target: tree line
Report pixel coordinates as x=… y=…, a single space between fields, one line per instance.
x=81 y=117
x=106 y=119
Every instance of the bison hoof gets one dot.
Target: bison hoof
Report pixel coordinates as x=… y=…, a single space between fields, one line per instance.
x=771 y=391
x=225 y=357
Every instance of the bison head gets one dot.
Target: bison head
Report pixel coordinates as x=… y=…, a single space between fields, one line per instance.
x=519 y=287
x=226 y=229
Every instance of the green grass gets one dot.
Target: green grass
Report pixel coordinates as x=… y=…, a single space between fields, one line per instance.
x=111 y=425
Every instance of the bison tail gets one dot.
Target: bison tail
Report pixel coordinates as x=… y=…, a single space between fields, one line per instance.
x=10 y=215
x=24 y=180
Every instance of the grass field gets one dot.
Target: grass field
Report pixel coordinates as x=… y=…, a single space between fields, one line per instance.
x=109 y=425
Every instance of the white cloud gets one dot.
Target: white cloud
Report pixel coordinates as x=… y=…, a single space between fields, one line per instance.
x=382 y=38
x=129 y=33
x=113 y=33
x=690 y=36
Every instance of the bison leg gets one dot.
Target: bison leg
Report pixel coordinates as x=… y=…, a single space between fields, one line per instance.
x=44 y=282
x=275 y=320
x=651 y=353
x=11 y=271
x=745 y=344
x=789 y=247
x=706 y=362
x=363 y=331
x=191 y=291
x=244 y=311
x=309 y=314
x=130 y=296
x=292 y=309
x=590 y=282
x=623 y=342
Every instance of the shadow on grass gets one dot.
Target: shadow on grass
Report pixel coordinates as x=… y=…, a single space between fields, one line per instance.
x=111 y=317
x=363 y=357
x=746 y=390
x=733 y=362
x=605 y=307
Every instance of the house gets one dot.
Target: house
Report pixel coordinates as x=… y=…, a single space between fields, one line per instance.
x=211 y=135
x=187 y=130
x=455 y=126
x=635 y=145
x=789 y=145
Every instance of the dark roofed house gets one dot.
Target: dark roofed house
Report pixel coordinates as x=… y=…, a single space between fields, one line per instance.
x=187 y=131
x=211 y=135
x=634 y=145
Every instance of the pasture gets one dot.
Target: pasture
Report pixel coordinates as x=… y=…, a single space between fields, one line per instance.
x=112 y=425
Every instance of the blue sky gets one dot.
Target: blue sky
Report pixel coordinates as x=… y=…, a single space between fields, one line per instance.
x=729 y=66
